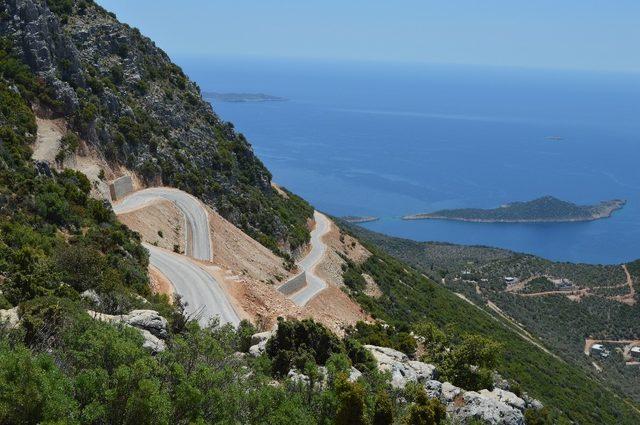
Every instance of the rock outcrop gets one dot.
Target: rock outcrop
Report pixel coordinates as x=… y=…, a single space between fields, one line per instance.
x=9 y=318
x=498 y=406
x=151 y=325
x=259 y=342
x=401 y=368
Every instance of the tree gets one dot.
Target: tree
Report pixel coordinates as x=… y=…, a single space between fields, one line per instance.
x=351 y=403
x=383 y=414
x=425 y=411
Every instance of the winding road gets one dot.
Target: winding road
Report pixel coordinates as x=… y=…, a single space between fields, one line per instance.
x=314 y=283
x=198 y=240
x=203 y=294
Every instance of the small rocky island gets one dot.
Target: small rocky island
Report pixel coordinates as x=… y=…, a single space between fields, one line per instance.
x=359 y=219
x=546 y=209
x=242 y=97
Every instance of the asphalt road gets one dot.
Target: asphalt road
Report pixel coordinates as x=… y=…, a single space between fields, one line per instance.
x=203 y=294
x=198 y=240
x=314 y=283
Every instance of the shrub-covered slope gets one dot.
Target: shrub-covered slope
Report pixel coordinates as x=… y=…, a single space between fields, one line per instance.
x=124 y=96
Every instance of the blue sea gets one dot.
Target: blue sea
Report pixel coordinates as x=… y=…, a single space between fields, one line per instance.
x=386 y=140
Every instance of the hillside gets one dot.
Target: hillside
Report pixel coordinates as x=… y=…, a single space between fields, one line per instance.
x=89 y=333
x=563 y=304
x=545 y=209
x=124 y=96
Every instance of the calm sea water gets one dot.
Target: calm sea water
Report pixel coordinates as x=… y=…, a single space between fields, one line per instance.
x=389 y=140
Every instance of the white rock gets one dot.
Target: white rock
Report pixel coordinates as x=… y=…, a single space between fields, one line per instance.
x=296 y=377
x=148 y=320
x=261 y=337
x=402 y=369
x=487 y=409
x=449 y=392
x=10 y=318
x=152 y=342
x=424 y=371
x=145 y=321
x=386 y=355
x=433 y=388
x=506 y=397
x=91 y=295
x=354 y=374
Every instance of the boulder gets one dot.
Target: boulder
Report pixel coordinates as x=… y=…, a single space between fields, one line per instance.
x=532 y=403
x=259 y=343
x=152 y=342
x=386 y=354
x=506 y=397
x=433 y=388
x=92 y=296
x=10 y=318
x=354 y=374
x=449 y=392
x=474 y=406
x=148 y=320
x=402 y=369
x=149 y=323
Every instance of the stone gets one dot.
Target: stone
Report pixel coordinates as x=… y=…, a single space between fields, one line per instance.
x=449 y=392
x=9 y=318
x=152 y=342
x=92 y=296
x=487 y=409
x=532 y=403
x=297 y=377
x=259 y=343
x=149 y=323
x=148 y=320
x=506 y=397
x=402 y=369
x=354 y=374
x=433 y=388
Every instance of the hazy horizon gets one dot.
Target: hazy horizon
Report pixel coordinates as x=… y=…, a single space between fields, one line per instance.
x=573 y=35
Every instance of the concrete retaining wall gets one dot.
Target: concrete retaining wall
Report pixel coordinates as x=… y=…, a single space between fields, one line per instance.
x=294 y=285
x=120 y=187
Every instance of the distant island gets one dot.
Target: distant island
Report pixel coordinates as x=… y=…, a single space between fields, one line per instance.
x=242 y=97
x=546 y=209
x=358 y=219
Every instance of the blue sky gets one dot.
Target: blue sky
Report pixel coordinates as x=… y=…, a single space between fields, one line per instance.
x=581 y=34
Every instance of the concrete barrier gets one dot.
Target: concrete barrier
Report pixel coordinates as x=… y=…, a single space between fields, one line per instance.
x=120 y=187
x=294 y=284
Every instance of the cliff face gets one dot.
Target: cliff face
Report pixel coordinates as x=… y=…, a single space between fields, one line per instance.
x=124 y=96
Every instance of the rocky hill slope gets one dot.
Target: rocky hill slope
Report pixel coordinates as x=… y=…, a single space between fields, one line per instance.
x=67 y=265
x=123 y=96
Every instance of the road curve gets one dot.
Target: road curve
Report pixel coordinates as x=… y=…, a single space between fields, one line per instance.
x=198 y=239
x=204 y=296
x=314 y=283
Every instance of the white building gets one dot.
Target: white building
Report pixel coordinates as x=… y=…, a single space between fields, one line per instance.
x=600 y=350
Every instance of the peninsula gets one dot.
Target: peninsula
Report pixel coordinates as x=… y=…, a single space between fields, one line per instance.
x=242 y=97
x=546 y=209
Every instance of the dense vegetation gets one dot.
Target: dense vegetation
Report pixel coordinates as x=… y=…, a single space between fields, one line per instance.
x=410 y=298
x=562 y=324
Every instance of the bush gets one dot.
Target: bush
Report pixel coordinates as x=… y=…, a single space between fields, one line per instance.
x=296 y=339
